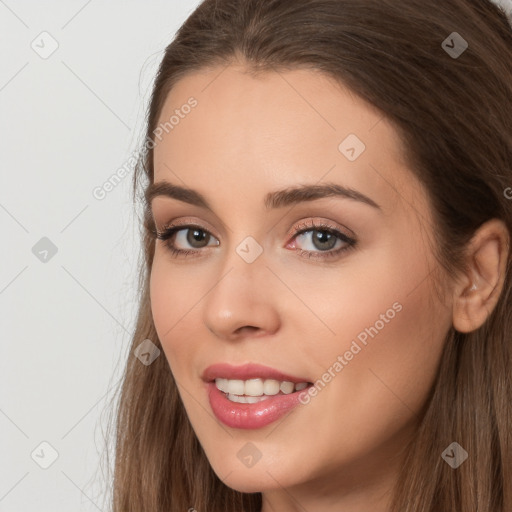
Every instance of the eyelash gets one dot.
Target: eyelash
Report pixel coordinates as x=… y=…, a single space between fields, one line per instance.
x=169 y=230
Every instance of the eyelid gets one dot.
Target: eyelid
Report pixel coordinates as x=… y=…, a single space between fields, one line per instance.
x=312 y=223
x=187 y=222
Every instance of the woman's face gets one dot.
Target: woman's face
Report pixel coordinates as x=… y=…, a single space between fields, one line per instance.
x=357 y=320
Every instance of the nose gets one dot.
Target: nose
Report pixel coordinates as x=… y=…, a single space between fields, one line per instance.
x=241 y=303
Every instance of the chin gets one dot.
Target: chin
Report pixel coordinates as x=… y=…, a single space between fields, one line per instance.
x=249 y=482
x=261 y=477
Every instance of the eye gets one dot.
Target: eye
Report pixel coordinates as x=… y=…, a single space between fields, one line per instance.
x=176 y=236
x=321 y=240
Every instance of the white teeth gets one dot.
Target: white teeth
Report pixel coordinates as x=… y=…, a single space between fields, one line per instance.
x=235 y=387
x=254 y=387
x=271 y=387
x=256 y=390
x=287 y=387
x=222 y=384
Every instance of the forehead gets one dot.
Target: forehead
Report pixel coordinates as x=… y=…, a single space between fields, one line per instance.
x=276 y=130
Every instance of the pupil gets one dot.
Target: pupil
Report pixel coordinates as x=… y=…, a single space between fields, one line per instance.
x=196 y=236
x=324 y=237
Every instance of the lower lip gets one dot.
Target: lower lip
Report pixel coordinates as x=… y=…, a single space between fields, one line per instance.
x=250 y=416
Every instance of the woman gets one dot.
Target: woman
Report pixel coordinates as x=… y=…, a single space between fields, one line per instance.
x=325 y=308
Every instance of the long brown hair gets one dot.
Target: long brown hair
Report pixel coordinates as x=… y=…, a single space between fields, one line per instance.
x=454 y=117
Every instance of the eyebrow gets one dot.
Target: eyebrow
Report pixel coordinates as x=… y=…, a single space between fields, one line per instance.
x=276 y=199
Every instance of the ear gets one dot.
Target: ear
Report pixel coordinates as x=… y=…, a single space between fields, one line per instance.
x=477 y=292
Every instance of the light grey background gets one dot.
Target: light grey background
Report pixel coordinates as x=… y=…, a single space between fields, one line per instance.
x=68 y=122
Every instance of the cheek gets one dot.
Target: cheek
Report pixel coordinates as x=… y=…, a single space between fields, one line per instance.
x=389 y=331
x=389 y=362
x=172 y=297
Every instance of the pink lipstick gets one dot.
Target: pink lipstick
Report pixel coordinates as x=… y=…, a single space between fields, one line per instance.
x=271 y=394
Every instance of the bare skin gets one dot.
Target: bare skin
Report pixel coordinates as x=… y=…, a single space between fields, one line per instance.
x=245 y=138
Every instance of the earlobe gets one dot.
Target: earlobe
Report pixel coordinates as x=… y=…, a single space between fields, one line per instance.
x=477 y=293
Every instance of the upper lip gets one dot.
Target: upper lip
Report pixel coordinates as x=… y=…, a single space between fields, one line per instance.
x=247 y=371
